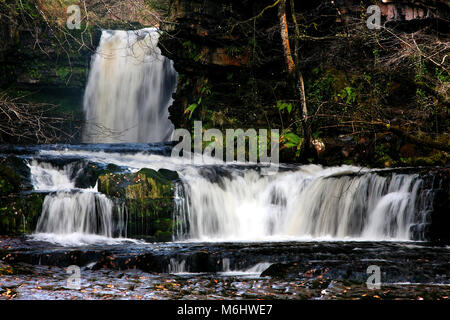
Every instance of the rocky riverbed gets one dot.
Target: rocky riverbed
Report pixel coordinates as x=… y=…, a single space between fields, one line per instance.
x=33 y=269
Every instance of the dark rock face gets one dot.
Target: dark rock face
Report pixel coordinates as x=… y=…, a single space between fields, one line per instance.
x=212 y=54
x=20 y=213
x=439 y=181
x=19 y=210
x=147 y=198
x=231 y=69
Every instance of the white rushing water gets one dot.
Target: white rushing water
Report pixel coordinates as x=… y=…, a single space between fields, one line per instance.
x=307 y=204
x=76 y=212
x=46 y=177
x=129 y=89
x=253 y=271
x=310 y=202
x=80 y=217
x=72 y=216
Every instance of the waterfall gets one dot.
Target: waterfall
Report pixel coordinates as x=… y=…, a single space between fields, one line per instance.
x=71 y=215
x=46 y=177
x=225 y=202
x=129 y=89
x=176 y=266
x=80 y=217
x=311 y=203
x=65 y=213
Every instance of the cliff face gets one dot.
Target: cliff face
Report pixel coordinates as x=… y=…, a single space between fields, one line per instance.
x=217 y=44
x=232 y=73
x=215 y=56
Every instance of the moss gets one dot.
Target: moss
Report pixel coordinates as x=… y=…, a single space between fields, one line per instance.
x=168 y=174
x=164 y=224
x=150 y=218
x=19 y=214
x=163 y=236
x=145 y=184
x=9 y=180
x=386 y=161
x=148 y=195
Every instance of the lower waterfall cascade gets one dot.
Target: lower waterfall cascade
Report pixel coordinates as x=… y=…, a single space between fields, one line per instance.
x=303 y=204
x=229 y=203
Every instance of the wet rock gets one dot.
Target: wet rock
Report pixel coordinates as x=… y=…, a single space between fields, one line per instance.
x=316 y=263
x=89 y=172
x=438 y=182
x=147 y=198
x=168 y=174
x=19 y=214
x=277 y=270
x=11 y=181
x=19 y=170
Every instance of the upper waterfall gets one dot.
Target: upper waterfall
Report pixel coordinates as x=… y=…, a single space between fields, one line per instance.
x=129 y=89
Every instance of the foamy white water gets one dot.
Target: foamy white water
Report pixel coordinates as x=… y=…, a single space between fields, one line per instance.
x=46 y=177
x=129 y=89
x=311 y=203
x=254 y=271
x=79 y=239
x=308 y=203
x=76 y=212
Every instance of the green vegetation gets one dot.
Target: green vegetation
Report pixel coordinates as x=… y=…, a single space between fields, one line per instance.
x=148 y=195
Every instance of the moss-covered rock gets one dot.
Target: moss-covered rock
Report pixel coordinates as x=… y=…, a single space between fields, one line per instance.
x=144 y=184
x=9 y=180
x=19 y=211
x=148 y=197
x=16 y=172
x=19 y=214
x=91 y=171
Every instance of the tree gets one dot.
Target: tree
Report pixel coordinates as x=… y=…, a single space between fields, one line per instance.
x=30 y=122
x=296 y=77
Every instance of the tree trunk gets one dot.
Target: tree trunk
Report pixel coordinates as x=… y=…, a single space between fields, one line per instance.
x=285 y=36
x=297 y=77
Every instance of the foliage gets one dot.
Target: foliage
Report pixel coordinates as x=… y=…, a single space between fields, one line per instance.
x=291 y=140
x=283 y=105
x=205 y=91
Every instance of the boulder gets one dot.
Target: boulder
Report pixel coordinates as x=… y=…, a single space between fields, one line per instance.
x=147 y=198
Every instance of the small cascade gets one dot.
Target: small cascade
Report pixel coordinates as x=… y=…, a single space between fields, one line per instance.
x=46 y=177
x=180 y=214
x=176 y=266
x=71 y=215
x=237 y=203
x=65 y=213
x=253 y=271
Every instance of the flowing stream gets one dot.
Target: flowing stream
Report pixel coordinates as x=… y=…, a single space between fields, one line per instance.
x=238 y=203
x=230 y=219
x=127 y=100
